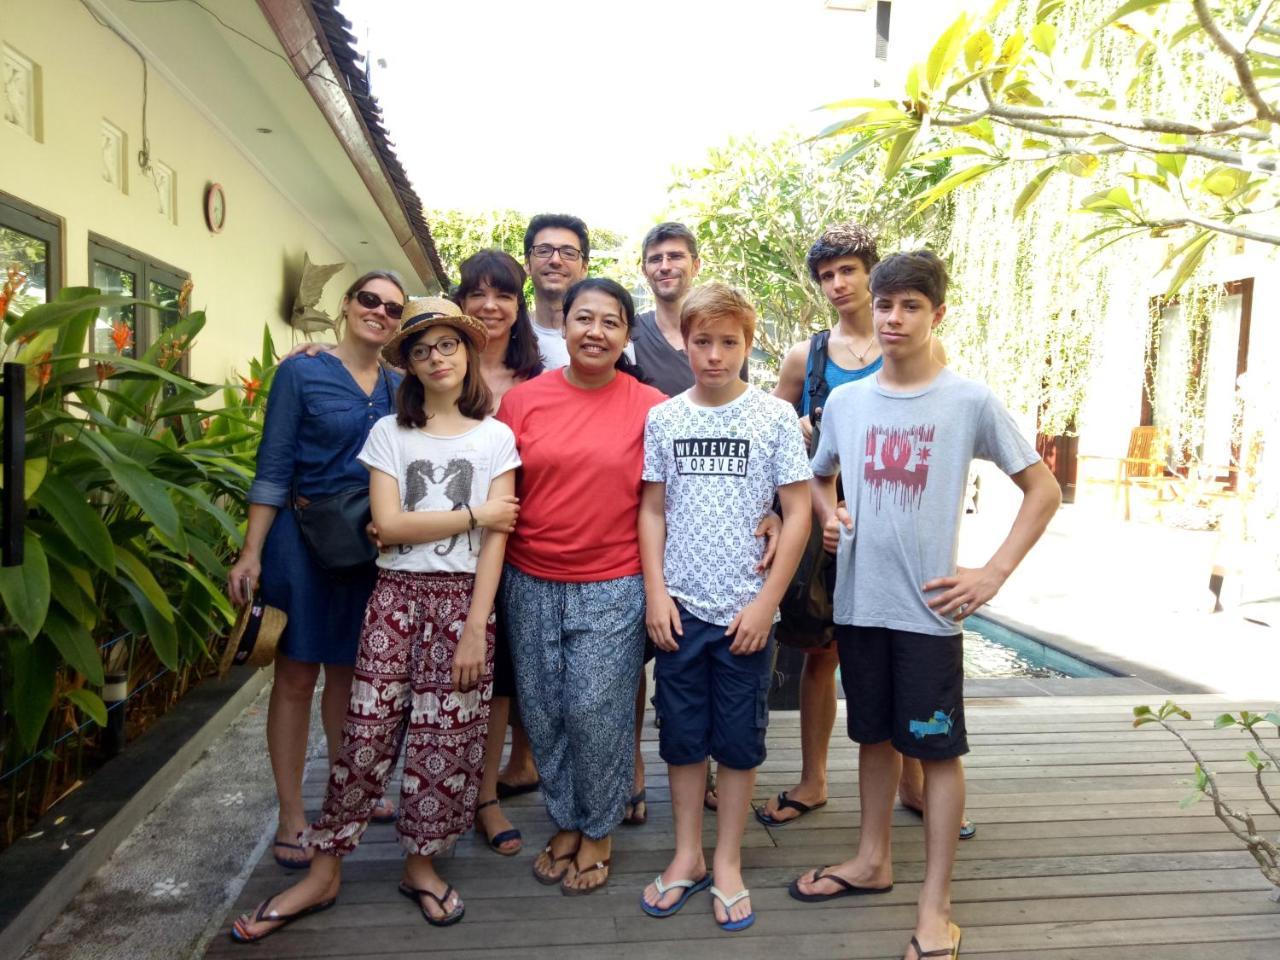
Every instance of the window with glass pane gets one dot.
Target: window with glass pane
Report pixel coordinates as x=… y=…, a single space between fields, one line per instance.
x=30 y=240
x=115 y=330
x=167 y=297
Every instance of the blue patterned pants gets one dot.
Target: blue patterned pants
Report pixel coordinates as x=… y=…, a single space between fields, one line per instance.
x=578 y=651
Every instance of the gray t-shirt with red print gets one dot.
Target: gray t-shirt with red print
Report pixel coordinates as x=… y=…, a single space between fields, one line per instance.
x=904 y=459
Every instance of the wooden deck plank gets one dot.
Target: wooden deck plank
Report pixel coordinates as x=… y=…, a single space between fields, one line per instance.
x=1083 y=852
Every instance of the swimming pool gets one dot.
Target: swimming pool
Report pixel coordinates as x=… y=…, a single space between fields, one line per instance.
x=993 y=650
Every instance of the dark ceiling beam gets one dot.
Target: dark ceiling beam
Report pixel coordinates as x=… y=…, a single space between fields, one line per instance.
x=319 y=48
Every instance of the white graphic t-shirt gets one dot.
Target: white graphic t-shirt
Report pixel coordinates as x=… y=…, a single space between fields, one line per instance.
x=439 y=473
x=722 y=466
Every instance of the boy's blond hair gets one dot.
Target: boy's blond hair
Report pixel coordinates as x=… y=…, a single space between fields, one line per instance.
x=716 y=301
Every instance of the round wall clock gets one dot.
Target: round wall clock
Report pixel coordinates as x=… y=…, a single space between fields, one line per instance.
x=215 y=207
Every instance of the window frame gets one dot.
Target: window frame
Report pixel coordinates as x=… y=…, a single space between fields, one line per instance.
x=145 y=269
x=17 y=214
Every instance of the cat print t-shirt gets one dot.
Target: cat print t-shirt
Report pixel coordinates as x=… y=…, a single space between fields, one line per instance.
x=439 y=473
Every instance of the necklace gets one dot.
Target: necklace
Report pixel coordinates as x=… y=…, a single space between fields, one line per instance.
x=860 y=357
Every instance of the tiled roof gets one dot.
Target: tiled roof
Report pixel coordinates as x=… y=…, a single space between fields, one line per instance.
x=342 y=53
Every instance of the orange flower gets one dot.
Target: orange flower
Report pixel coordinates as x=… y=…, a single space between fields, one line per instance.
x=45 y=369
x=184 y=295
x=14 y=282
x=251 y=388
x=121 y=336
x=103 y=370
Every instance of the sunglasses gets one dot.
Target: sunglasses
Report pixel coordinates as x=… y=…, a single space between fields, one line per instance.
x=371 y=301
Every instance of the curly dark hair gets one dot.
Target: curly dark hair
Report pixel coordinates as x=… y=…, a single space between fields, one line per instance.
x=843 y=240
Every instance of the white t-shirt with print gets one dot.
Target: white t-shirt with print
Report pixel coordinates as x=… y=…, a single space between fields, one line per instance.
x=439 y=473
x=721 y=466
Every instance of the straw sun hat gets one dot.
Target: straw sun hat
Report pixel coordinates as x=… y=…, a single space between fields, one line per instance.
x=254 y=638
x=424 y=313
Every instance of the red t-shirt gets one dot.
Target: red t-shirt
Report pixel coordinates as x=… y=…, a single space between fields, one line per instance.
x=581 y=452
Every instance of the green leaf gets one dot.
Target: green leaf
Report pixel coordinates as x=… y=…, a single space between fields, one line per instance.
x=1225 y=181
x=90 y=704
x=35 y=667
x=149 y=496
x=75 y=644
x=25 y=589
x=936 y=193
x=161 y=632
x=71 y=511
x=1044 y=36
x=132 y=567
x=943 y=55
x=1080 y=164
x=1141 y=711
x=224 y=519
x=1273 y=717
x=978 y=50
x=1254 y=760
x=1047 y=8
x=1133 y=6
x=45 y=316
x=898 y=152
x=1032 y=190
x=1223 y=720
x=1190 y=261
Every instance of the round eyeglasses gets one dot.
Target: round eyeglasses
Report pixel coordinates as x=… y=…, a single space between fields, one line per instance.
x=447 y=347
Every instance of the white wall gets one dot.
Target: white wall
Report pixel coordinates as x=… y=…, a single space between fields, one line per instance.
x=88 y=75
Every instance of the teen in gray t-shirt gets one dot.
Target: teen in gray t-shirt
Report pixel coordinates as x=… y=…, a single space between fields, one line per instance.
x=904 y=459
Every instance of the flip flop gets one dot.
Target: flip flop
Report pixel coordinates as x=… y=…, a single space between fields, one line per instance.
x=952 y=951
x=786 y=803
x=733 y=926
x=635 y=818
x=508 y=790
x=690 y=888
x=968 y=829
x=551 y=879
x=416 y=895
x=847 y=889
x=497 y=840
x=382 y=817
x=598 y=865
x=290 y=864
x=260 y=916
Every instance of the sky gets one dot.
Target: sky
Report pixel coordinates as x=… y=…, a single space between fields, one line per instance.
x=585 y=106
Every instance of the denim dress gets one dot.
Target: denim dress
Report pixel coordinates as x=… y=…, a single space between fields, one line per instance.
x=317 y=421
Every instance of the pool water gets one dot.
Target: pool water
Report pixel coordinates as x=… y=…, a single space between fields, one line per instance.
x=991 y=650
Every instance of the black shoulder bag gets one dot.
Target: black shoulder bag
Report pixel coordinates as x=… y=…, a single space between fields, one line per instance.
x=333 y=527
x=807 y=607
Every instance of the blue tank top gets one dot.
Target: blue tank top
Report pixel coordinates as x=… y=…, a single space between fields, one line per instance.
x=836 y=375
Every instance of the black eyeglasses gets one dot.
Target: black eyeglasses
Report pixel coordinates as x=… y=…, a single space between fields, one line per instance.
x=447 y=346
x=543 y=251
x=371 y=301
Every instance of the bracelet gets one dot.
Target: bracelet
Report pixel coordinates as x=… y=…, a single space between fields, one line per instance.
x=467 y=506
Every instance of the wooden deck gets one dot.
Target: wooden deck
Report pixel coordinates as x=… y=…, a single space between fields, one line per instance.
x=1082 y=852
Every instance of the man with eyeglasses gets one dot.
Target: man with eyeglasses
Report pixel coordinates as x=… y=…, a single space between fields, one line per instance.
x=669 y=258
x=557 y=248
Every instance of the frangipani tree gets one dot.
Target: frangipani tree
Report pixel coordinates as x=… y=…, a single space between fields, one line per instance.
x=1169 y=105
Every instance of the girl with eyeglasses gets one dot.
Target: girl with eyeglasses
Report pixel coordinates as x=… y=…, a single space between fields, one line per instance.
x=492 y=291
x=441 y=486
x=319 y=413
x=572 y=593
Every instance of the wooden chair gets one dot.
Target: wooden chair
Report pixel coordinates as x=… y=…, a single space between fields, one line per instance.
x=1144 y=466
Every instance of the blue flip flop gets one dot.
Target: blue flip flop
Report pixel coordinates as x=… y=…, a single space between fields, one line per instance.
x=690 y=888
x=733 y=926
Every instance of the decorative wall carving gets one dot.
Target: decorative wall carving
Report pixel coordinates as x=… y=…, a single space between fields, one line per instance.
x=113 y=144
x=165 y=182
x=21 y=100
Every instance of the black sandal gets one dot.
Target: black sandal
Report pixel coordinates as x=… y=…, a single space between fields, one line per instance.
x=449 y=919
x=786 y=803
x=847 y=889
x=260 y=916
x=952 y=951
x=497 y=840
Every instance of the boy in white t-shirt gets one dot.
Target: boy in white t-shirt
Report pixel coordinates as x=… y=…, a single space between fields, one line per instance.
x=714 y=457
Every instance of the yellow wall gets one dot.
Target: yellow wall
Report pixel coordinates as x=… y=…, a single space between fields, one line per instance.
x=89 y=74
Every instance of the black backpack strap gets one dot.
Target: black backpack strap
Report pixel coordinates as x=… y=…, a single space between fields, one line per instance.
x=815 y=386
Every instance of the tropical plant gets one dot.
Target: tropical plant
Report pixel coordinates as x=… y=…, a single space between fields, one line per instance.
x=1168 y=106
x=134 y=493
x=757 y=206
x=1263 y=760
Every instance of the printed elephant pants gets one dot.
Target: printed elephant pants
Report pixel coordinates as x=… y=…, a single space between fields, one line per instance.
x=578 y=650
x=402 y=690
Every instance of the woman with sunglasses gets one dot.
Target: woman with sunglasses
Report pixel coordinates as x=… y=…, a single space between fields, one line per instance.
x=492 y=291
x=572 y=594
x=319 y=413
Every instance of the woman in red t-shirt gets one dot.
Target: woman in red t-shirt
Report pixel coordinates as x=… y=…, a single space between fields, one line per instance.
x=572 y=594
